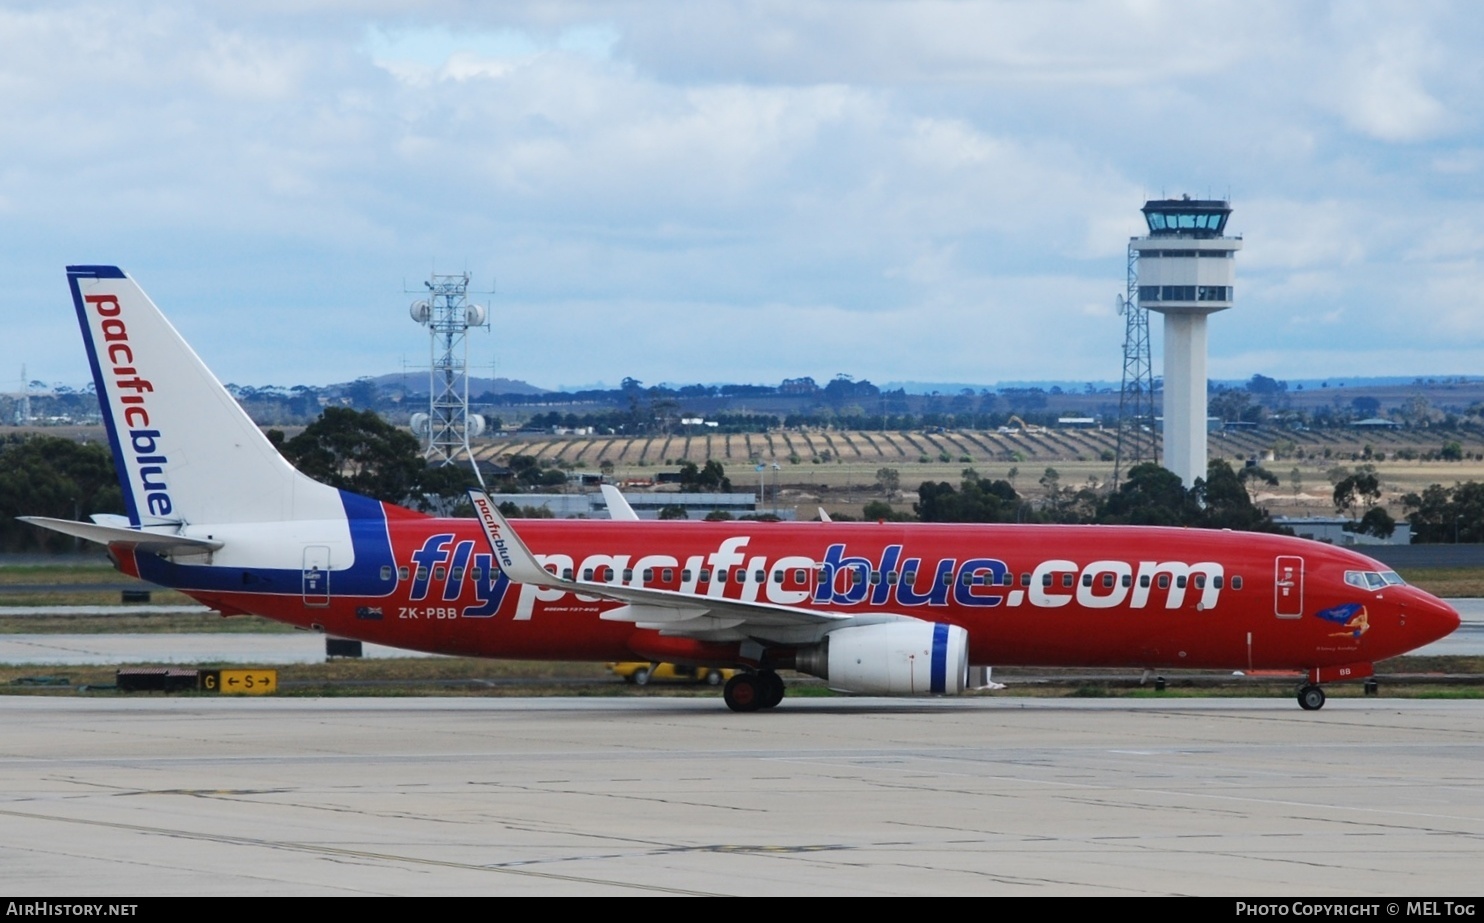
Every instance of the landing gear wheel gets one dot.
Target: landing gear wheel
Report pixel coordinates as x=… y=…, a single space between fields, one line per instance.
x=641 y=677
x=743 y=692
x=773 y=688
x=1310 y=698
x=713 y=677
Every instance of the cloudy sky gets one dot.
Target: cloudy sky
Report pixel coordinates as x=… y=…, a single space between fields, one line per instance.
x=742 y=191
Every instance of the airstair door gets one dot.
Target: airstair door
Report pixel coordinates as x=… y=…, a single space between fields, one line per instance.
x=1288 y=587
x=316 y=575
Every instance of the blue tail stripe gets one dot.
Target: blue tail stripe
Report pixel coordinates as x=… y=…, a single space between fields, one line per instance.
x=96 y=272
x=105 y=406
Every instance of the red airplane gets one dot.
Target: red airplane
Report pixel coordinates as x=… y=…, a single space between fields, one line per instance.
x=877 y=609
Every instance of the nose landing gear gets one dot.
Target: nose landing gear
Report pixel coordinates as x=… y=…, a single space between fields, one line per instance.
x=1310 y=697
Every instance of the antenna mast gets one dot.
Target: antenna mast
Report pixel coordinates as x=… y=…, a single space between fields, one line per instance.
x=448 y=315
x=1136 y=398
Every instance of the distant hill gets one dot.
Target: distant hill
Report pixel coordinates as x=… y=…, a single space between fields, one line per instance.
x=417 y=383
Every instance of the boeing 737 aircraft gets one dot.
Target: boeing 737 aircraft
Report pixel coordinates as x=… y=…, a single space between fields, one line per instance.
x=877 y=609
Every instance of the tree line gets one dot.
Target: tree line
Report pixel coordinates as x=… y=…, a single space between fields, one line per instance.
x=359 y=451
x=1152 y=496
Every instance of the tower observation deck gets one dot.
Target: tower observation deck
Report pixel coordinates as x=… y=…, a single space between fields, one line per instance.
x=1187 y=271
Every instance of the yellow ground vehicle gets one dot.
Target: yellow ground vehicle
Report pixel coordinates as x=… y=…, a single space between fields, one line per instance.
x=642 y=673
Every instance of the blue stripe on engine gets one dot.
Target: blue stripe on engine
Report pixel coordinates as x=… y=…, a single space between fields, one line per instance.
x=940 y=658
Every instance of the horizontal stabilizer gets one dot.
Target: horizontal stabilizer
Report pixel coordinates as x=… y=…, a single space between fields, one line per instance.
x=154 y=542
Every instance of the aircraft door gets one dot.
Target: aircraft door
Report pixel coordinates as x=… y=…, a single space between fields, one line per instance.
x=316 y=575
x=1288 y=587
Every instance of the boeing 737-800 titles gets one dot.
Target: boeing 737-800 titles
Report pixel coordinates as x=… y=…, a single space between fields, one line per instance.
x=878 y=609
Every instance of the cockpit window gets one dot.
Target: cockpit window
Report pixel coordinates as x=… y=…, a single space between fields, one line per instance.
x=1373 y=580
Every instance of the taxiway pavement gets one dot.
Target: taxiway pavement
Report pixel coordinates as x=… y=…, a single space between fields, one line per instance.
x=679 y=796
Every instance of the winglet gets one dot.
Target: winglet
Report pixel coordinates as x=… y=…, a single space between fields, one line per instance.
x=516 y=560
x=618 y=507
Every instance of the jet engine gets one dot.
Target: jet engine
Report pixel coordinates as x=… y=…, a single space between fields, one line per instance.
x=893 y=658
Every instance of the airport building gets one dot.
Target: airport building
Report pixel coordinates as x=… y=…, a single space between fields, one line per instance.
x=646 y=505
x=1331 y=531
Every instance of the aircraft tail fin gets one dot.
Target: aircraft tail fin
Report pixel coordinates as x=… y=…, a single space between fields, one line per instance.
x=185 y=451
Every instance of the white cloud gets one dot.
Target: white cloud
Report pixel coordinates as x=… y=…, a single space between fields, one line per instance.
x=915 y=191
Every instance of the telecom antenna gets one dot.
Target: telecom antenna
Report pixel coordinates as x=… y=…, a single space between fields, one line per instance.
x=23 y=406
x=1136 y=398
x=448 y=425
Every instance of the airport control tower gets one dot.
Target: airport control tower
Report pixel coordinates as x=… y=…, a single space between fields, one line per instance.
x=1186 y=271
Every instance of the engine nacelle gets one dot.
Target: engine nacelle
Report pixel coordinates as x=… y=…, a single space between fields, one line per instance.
x=893 y=658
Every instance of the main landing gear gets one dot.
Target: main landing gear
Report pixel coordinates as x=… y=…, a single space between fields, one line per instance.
x=1310 y=697
x=752 y=691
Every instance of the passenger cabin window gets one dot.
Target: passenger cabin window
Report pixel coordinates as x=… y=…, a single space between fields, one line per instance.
x=1237 y=582
x=1164 y=581
x=685 y=575
x=667 y=575
x=1068 y=579
x=628 y=575
x=648 y=575
x=386 y=572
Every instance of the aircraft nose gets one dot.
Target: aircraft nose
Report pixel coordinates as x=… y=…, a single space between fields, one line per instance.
x=1432 y=618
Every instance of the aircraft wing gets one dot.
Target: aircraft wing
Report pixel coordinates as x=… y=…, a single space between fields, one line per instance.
x=668 y=611
x=155 y=542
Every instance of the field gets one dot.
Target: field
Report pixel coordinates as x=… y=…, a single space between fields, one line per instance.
x=837 y=469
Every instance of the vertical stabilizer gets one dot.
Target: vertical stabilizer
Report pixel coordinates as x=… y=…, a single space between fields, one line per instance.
x=185 y=451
